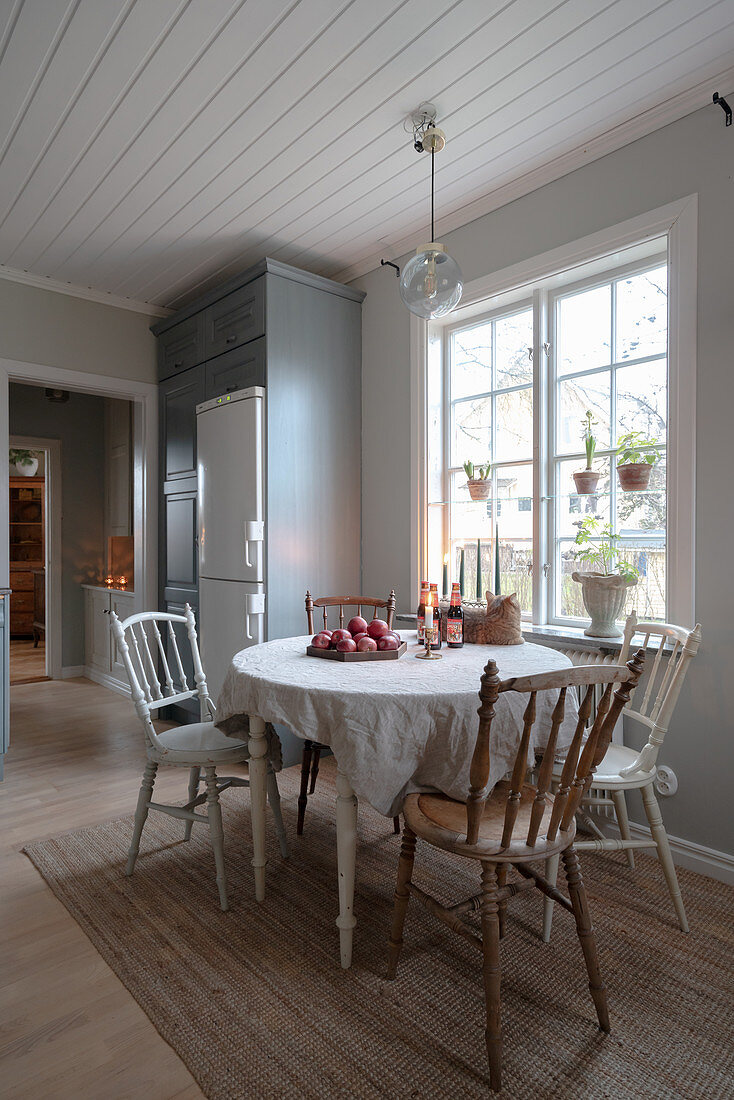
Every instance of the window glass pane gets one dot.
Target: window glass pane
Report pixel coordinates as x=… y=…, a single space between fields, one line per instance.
x=471 y=361
x=569 y=601
x=514 y=428
x=585 y=326
x=513 y=337
x=642 y=314
x=514 y=488
x=575 y=396
x=573 y=507
x=644 y=514
x=647 y=597
x=470 y=519
x=471 y=436
x=642 y=398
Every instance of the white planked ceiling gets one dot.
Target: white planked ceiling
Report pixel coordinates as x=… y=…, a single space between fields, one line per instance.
x=151 y=148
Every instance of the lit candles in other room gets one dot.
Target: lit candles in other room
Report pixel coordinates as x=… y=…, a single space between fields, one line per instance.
x=461 y=573
x=479 y=569
x=445 y=585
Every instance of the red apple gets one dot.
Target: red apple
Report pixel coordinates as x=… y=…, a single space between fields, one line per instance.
x=340 y=635
x=357 y=625
x=321 y=641
x=366 y=644
x=377 y=628
x=392 y=634
x=346 y=645
x=358 y=637
x=387 y=642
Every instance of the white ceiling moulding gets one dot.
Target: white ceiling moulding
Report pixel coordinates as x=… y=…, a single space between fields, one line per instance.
x=45 y=282
x=625 y=133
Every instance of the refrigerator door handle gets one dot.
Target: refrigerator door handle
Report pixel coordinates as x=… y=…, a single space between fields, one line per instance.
x=254 y=605
x=254 y=531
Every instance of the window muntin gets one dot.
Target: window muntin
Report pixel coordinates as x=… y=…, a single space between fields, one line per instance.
x=606 y=350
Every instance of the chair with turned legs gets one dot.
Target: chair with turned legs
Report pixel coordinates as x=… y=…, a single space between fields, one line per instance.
x=515 y=825
x=312 y=749
x=147 y=644
x=625 y=769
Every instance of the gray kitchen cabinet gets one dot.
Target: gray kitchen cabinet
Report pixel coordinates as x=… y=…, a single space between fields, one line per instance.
x=299 y=336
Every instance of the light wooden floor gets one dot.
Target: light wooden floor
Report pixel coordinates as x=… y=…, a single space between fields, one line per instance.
x=69 y=1027
x=26 y=663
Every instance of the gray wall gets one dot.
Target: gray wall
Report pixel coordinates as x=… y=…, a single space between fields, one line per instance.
x=58 y=330
x=79 y=424
x=695 y=154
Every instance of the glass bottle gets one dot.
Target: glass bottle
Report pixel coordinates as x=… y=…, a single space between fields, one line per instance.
x=455 y=620
x=421 y=616
x=436 y=644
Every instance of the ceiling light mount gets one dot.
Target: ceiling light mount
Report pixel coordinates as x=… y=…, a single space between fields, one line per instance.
x=422 y=124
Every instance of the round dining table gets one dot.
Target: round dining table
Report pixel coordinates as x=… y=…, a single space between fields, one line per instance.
x=394 y=726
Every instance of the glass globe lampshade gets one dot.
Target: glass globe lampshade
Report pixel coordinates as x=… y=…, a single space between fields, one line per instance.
x=431 y=282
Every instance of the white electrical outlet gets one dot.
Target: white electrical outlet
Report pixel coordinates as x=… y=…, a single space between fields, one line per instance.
x=666 y=781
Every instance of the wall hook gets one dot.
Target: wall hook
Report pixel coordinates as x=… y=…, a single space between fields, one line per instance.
x=389 y=263
x=724 y=106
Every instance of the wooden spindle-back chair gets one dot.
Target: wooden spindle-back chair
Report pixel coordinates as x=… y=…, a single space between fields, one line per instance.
x=312 y=749
x=515 y=824
x=624 y=768
x=148 y=645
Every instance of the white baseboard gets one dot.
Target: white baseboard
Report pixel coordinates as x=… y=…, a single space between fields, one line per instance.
x=695 y=857
x=70 y=672
x=105 y=680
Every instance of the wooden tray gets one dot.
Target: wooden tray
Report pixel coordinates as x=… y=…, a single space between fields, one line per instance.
x=378 y=655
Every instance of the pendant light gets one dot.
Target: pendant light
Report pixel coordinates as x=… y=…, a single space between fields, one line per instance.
x=431 y=282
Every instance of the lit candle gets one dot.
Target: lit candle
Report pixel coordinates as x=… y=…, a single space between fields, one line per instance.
x=497 y=585
x=479 y=569
x=461 y=572
x=445 y=574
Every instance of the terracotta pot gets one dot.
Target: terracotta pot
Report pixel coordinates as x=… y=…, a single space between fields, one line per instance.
x=634 y=476
x=478 y=488
x=586 y=481
x=604 y=595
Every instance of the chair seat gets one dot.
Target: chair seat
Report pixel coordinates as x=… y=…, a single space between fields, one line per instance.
x=442 y=821
x=198 y=743
x=608 y=773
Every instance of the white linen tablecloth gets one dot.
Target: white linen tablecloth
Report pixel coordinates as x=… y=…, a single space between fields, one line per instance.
x=394 y=726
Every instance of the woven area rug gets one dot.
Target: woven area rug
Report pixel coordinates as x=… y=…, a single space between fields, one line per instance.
x=256 y=1005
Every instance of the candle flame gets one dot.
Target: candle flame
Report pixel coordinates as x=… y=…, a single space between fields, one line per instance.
x=446 y=559
x=429 y=599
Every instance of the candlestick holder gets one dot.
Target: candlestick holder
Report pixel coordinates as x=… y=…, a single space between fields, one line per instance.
x=428 y=654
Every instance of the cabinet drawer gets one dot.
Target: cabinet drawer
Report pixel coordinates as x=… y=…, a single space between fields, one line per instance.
x=21 y=624
x=21 y=581
x=21 y=601
x=235 y=319
x=236 y=370
x=181 y=347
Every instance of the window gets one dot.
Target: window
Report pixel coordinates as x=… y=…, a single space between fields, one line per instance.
x=516 y=381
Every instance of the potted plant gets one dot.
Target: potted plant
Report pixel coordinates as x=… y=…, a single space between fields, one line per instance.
x=477 y=482
x=636 y=456
x=604 y=587
x=586 y=479
x=25 y=462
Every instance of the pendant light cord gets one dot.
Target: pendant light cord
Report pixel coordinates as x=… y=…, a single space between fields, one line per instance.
x=433 y=166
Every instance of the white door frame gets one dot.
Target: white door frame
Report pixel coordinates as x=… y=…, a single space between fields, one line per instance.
x=52 y=552
x=144 y=396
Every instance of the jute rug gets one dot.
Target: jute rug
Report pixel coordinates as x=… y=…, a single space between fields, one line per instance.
x=256 y=1005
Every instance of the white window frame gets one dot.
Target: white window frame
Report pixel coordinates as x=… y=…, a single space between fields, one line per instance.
x=606 y=249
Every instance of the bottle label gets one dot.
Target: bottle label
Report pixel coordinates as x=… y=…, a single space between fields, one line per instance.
x=421 y=628
x=454 y=630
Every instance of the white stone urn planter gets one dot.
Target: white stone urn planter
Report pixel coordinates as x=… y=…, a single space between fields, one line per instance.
x=24 y=469
x=604 y=595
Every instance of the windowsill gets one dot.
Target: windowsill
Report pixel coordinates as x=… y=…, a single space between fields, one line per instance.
x=559 y=634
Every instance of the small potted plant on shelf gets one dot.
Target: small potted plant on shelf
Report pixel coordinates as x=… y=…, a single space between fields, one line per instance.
x=477 y=482
x=604 y=587
x=636 y=456
x=24 y=462
x=586 y=479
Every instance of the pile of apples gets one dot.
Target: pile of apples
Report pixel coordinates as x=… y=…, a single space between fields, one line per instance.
x=359 y=637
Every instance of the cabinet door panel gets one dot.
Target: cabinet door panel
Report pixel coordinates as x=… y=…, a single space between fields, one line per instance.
x=235 y=319
x=178 y=400
x=181 y=347
x=181 y=567
x=237 y=370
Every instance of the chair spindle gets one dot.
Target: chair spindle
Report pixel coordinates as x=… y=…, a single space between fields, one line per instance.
x=546 y=769
x=518 y=772
x=479 y=771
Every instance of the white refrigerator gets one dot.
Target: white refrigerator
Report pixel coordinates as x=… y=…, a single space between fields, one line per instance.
x=230 y=461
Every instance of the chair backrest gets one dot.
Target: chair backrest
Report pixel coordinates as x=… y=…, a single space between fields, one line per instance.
x=154 y=667
x=341 y=602
x=581 y=759
x=653 y=707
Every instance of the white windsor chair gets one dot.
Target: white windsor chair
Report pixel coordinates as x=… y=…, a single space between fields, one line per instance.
x=195 y=746
x=625 y=769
